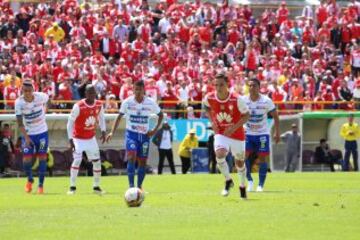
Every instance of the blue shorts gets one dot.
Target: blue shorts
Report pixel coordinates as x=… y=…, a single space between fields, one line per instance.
x=259 y=144
x=39 y=146
x=137 y=143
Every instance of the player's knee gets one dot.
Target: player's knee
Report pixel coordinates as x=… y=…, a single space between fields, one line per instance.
x=27 y=159
x=141 y=163
x=221 y=153
x=77 y=160
x=131 y=157
x=263 y=159
x=239 y=156
x=239 y=164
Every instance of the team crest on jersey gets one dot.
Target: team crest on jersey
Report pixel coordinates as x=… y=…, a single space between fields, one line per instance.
x=223 y=116
x=90 y=121
x=231 y=107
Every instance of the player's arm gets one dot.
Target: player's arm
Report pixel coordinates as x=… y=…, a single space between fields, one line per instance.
x=114 y=127
x=122 y=112
x=70 y=125
x=207 y=110
x=156 y=109
x=20 y=123
x=45 y=100
x=275 y=116
x=160 y=118
x=102 y=124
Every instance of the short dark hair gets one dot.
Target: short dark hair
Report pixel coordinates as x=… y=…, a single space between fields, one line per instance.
x=255 y=80
x=89 y=86
x=221 y=75
x=27 y=83
x=139 y=84
x=323 y=140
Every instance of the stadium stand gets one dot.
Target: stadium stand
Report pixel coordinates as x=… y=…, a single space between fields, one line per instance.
x=306 y=56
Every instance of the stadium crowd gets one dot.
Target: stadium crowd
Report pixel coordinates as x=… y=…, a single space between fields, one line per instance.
x=177 y=48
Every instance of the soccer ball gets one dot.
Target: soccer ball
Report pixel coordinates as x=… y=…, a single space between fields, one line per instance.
x=134 y=197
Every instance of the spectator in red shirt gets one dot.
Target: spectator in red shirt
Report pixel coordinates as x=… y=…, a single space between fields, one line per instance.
x=321 y=13
x=282 y=13
x=170 y=100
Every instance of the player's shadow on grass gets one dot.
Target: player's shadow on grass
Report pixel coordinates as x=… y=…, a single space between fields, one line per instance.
x=247 y=200
x=274 y=191
x=49 y=194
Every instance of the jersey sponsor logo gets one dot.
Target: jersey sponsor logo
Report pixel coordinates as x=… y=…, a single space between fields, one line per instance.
x=139 y=128
x=90 y=121
x=223 y=116
x=138 y=119
x=254 y=126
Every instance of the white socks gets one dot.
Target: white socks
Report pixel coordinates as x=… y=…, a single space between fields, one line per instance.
x=242 y=175
x=97 y=172
x=74 y=170
x=223 y=167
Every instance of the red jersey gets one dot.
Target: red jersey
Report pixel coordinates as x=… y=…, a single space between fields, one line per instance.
x=86 y=119
x=226 y=113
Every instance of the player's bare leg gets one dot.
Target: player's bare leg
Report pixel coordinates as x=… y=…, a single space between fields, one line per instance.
x=241 y=169
x=224 y=169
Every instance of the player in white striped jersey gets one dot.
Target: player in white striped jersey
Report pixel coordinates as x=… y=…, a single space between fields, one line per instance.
x=257 y=131
x=137 y=111
x=30 y=114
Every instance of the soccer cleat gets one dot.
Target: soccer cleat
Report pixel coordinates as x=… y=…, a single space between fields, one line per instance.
x=40 y=190
x=250 y=186
x=242 y=192
x=259 y=189
x=28 y=187
x=98 y=191
x=228 y=184
x=71 y=191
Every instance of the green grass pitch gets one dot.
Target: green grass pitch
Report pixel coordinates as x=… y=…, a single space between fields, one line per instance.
x=294 y=206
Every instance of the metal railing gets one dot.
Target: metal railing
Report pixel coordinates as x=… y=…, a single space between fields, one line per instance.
x=286 y=107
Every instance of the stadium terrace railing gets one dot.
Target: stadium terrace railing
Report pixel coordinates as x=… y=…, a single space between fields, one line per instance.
x=286 y=107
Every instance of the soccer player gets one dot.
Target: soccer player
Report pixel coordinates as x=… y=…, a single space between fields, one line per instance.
x=81 y=130
x=258 y=132
x=228 y=113
x=30 y=116
x=137 y=110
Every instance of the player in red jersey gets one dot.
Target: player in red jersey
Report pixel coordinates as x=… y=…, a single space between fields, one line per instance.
x=81 y=129
x=227 y=114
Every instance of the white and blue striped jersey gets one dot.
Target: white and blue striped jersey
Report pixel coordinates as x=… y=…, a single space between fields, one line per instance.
x=33 y=113
x=137 y=114
x=257 y=123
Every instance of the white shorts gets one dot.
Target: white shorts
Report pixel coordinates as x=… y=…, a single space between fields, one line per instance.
x=237 y=147
x=89 y=146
